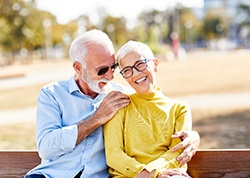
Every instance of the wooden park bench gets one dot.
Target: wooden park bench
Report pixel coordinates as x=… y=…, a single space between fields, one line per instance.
x=208 y=163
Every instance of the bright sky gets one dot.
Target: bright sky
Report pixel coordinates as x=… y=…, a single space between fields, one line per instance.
x=66 y=10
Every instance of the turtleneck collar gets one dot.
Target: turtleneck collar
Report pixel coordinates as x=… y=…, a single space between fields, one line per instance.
x=152 y=96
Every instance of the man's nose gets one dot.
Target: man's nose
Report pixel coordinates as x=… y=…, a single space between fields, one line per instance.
x=110 y=74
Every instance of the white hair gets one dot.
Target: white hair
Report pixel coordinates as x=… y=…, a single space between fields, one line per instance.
x=134 y=46
x=78 y=48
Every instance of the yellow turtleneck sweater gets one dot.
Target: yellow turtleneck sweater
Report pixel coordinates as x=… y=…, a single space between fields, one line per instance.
x=139 y=135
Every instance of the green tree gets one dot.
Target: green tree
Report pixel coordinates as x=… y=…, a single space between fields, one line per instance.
x=243 y=23
x=214 y=26
x=189 y=26
x=155 y=25
x=12 y=23
x=153 y=29
x=23 y=28
x=243 y=14
x=116 y=29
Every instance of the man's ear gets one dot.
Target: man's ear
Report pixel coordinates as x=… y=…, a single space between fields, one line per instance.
x=77 y=66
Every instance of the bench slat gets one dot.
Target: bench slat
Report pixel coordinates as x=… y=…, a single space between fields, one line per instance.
x=220 y=163
x=205 y=163
x=15 y=164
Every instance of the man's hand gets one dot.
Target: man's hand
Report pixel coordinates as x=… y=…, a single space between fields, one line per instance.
x=110 y=105
x=113 y=102
x=190 y=143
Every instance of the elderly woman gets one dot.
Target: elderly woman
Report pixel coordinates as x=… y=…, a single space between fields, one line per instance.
x=138 y=139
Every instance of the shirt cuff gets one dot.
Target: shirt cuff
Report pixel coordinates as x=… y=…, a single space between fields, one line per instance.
x=69 y=135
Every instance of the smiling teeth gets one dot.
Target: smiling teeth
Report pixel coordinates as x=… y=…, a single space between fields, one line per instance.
x=140 y=80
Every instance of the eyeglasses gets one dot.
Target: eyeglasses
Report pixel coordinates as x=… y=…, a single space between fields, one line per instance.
x=139 y=65
x=103 y=70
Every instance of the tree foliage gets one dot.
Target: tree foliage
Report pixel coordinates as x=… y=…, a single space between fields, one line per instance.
x=22 y=26
x=153 y=28
x=214 y=26
x=116 y=29
x=189 y=26
x=244 y=14
x=26 y=29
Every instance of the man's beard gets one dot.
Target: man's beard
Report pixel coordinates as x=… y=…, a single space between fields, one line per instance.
x=93 y=84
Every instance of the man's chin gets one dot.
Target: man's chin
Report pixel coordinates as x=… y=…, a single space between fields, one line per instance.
x=101 y=87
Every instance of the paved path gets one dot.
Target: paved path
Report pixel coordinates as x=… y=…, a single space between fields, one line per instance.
x=219 y=101
x=42 y=76
x=23 y=115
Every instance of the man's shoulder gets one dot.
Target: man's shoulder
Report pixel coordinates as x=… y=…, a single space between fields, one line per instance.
x=56 y=84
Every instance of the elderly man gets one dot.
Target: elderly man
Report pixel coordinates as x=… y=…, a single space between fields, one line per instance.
x=70 y=114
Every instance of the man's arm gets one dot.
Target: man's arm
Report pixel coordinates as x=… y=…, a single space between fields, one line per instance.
x=190 y=143
x=53 y=139
x=107 y=109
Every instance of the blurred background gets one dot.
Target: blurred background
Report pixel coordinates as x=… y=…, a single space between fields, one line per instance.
x=203 y=47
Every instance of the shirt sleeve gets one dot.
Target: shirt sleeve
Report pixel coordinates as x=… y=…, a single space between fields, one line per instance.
x=118 y=161
x=183 y=121
x=53 y=139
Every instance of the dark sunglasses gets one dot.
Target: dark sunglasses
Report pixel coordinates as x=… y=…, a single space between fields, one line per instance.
x=103 y=70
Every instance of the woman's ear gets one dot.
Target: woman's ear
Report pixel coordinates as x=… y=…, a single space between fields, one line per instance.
x=156 y=63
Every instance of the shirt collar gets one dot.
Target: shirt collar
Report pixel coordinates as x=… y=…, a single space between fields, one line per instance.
x=73 y=86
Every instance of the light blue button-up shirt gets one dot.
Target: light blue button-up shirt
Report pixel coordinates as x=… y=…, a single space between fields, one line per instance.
x=61 y=105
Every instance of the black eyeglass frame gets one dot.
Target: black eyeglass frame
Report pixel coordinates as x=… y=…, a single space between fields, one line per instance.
x=134 y=66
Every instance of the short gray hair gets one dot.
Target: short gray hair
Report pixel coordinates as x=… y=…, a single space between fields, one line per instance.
x=78 y=48
x=134 y=46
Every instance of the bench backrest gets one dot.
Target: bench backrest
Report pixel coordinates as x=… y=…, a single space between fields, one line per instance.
x=205 y=163
x=15 y=164
x=220 y=164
